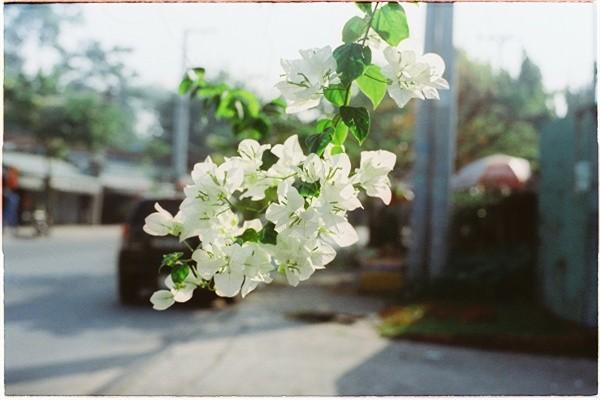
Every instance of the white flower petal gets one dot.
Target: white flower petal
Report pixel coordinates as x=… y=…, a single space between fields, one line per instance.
x=228 y=284
x=162 y=299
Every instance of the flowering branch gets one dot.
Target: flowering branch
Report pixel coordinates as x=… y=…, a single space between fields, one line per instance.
x=257 y=220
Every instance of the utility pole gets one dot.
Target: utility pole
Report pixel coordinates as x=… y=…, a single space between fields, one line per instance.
x=182 y=122
x=434 y=147
x=182 y=114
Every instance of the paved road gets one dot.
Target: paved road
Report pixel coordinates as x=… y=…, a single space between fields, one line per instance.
x=66 y=334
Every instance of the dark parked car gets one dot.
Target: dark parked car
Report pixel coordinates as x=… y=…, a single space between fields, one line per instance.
x=141 y=254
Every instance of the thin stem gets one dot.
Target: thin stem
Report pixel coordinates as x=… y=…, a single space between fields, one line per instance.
x=363 y=41
x=190 y=248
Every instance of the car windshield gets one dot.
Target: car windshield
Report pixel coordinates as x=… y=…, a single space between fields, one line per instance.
x=146 y=207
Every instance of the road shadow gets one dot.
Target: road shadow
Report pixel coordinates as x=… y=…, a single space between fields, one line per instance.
x=408 y=368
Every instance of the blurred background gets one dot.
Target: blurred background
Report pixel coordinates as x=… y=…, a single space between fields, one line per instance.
x=479 y=278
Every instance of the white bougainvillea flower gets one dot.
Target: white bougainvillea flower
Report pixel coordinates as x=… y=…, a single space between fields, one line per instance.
x=313 y=168
x=293 y=258
x=256 y=183
x=288 y=209
x=208 y=260
x=212 y=182
x=228 y=281
x=305 y=78
x=337 y=169
x=163 y=299
x=337 y=197
x=321 y=253
x=257 y=269
x=373 y=171
x=252 y=151
x=162 y=222
x=338 y=230
x=413 y=75
x=289 y=153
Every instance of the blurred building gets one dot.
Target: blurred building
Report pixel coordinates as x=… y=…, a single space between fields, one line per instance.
x=75 y=193
x=76 y=197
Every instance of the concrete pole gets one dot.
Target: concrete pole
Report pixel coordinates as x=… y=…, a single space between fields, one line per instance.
x=434 y=148
x=182 y=122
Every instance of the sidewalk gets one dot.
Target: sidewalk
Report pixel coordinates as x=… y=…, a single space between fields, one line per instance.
x=255 y=348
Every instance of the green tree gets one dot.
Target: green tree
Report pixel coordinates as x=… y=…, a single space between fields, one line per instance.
x=86 y=98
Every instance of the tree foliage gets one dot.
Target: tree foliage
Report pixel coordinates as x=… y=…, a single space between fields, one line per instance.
x=86 y=98
x=498 y=113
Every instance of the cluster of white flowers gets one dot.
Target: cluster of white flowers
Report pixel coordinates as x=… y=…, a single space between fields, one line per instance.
x=306 y=214
x=410 y=75
x=306 y=77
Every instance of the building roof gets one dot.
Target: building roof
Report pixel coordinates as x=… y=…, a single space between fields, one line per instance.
x=65 y=177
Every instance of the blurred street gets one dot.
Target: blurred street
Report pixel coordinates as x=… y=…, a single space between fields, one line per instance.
x=65 y=333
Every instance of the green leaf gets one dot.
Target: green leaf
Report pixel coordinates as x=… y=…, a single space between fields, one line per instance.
x=275 y=107
x=323 y=124
x=268 y=159
x=350 y=59
x=180 y=273
x=336 y=94
x=390 y=23
x=268 y=234
x=358 y=121
x=354 y=29
x=373 y=84
x=171 y=258
x=249 y=235
x=249 y=102
x=185 y=85
x=306 y=189
x=198 y=75
x=193 y=79
x=340 y=133
x=271 y=194
x=316 y=143
x=364 y=7
x=212 y=90
x=337 y=149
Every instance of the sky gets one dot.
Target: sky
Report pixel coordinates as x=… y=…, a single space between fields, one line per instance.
x=248 y=40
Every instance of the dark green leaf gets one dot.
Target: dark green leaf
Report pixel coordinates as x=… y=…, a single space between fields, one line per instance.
x=358 y=121
x=306 y=189
x=390 y=23
x=316 y=143
x=180 y=273
x=366 y=55
x=373 y=84
x=354 y=29
x=364 y=7
x=336 y=94
x=268 y=159
x=275 y=107
x=268 y=233
x=271 y=194
x=350 y=60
